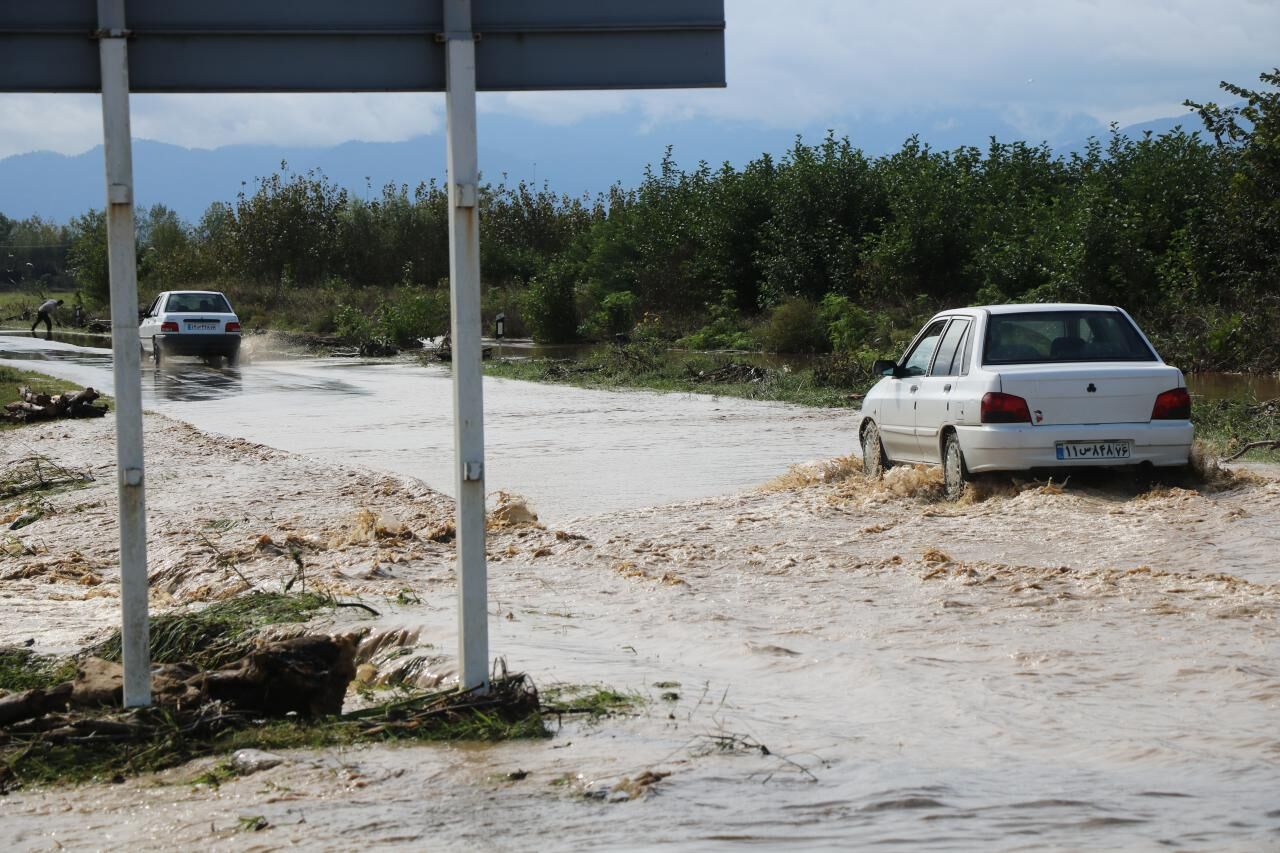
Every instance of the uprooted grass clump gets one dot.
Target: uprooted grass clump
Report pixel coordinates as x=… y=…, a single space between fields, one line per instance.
x=23 y=669
x=594 y=700
x=37 y=473
x=222 y=632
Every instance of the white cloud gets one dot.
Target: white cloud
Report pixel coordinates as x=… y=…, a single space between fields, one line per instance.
x=1039 y=63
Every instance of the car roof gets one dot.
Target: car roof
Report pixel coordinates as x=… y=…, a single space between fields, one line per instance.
x=197 y=292
x=1045 y=306
x=1024 y=308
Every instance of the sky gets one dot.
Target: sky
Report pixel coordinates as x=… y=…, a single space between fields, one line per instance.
x=1041 y=65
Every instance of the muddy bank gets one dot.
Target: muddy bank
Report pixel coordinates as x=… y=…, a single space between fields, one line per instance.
x=224 y=516
x=825 y=663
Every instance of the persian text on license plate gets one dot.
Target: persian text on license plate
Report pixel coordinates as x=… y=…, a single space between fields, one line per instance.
x=1069 y=450
x=201 y=327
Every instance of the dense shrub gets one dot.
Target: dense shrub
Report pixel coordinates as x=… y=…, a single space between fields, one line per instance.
x=795 y=326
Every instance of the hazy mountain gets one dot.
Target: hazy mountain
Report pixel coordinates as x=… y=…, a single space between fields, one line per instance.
x=586 y=157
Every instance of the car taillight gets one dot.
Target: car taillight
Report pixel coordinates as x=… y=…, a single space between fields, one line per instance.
x=169 y=327
x=233 y=327
x=1000 y=408
x=1172 y=405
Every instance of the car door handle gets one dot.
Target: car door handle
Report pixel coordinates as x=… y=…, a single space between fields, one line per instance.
x=915 y=388
x=946 y=387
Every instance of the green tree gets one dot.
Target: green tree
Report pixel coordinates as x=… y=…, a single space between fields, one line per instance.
x=87 y=256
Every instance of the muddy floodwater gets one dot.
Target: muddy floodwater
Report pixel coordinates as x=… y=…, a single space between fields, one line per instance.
x=826 y=663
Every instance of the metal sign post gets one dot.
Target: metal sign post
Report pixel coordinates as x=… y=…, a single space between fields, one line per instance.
x=464 y=298
x=126 y=352
x=454 y=46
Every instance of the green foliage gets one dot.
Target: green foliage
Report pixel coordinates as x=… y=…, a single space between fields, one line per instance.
x=1228 y=425
x=87 y=256
x=615 y=316
x=825 y=247
x=413 y=315
x=549 y=307
x=724 y=330
x=352 y=325
x=795 y=326
x=406 y=317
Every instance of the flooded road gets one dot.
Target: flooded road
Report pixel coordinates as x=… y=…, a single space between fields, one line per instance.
x=569 y=451
x=826 y=663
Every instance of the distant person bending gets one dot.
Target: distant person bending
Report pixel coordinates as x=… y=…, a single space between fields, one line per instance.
x=45 y=313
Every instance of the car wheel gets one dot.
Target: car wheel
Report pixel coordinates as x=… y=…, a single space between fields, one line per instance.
x=874 y=460
x=955 y=474
x=233 y=360
x=155 y=351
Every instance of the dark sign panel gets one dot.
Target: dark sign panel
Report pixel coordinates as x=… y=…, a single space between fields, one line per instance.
x=370 y=46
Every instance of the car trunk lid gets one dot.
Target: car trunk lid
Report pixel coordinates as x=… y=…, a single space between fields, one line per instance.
x=200 y=323
x=1089 y=393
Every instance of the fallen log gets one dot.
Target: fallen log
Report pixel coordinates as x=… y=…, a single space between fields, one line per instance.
x=32 y=406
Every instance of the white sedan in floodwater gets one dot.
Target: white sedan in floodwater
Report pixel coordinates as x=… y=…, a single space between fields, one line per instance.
x=1026 y=387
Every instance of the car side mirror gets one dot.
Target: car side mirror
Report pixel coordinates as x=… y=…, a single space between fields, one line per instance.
x=885 y=367
x=142 y=313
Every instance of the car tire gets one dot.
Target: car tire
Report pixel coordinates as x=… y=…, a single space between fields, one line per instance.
x=955 y=473
x=233 y=360
x=155 y=351
x=874 y=460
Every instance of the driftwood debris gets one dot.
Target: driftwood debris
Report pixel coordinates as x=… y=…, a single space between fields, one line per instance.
x=732 y=372
x=1270 y=444
x=32 y=406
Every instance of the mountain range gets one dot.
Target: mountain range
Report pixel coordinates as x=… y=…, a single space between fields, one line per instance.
x=587 y=157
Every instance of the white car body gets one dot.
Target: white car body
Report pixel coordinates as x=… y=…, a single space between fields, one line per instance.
x=191 y=322
x=1085 y=409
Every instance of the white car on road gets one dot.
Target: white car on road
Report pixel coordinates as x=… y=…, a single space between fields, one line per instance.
x=1026 y=387
x=191 y=322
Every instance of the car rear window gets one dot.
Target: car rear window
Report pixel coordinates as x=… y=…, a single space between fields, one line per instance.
x=1059 y=336
x=194 y=303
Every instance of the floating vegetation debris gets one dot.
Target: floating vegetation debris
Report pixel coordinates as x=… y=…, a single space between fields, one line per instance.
x=109 y=745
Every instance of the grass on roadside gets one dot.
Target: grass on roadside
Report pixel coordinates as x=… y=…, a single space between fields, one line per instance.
x=11 y=379
x=639 y=366
x=1226 y=426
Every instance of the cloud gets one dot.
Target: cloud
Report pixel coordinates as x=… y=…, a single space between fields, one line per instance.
x=1039 y=63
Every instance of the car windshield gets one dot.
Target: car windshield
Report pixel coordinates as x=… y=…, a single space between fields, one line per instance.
x=1063 y=336
x=194 y=303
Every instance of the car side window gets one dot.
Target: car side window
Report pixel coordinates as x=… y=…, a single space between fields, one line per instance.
x=948 y=363
x=917 y=361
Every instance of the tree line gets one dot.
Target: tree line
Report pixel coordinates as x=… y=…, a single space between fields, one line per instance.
x=822 y=248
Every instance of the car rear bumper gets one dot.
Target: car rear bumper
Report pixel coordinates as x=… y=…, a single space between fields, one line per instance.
x=1016 y=447
x=190 y=344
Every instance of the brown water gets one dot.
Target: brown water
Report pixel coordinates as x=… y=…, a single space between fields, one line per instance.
x=1044 y=669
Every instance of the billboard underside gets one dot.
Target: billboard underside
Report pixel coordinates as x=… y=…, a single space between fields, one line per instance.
x=379 y=46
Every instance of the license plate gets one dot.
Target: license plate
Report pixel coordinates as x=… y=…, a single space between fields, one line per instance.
x=201 y=327
x=1069 y=450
